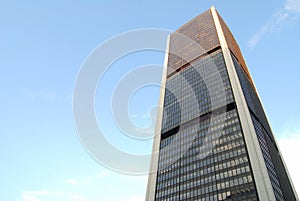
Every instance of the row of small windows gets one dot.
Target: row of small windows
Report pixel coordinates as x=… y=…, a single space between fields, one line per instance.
x=186 y=171
x=175 y=113
x=252 y=99
x=256 y=108
x=189 y=137
x=202 y=127
x=205 y=189
x=196 y=91
x=231 y=138
x=206 y=160
x=213 y=60
x=243 y=194
x=200 y=70
x=205 y=167
x=268 y=160
x=233 y=173
x=199 y=91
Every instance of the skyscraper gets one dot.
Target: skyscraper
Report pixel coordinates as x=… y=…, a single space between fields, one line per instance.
x=214 y=140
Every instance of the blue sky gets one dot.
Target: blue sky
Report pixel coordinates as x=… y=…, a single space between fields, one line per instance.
x=42 y=47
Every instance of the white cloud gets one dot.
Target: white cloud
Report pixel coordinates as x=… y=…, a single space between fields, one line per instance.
x=28 y=197
x=72 y=182
x=280 y=18
x=95 y=178
x=53 y=195
x=103 y=174
x=87 y=180
x=292 y=5
x=47 y=96
x=41 y=195
x=136 y=198
x=33 y=195
x=290 y=148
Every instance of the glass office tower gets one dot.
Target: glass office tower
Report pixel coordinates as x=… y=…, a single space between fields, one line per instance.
x=214 y=140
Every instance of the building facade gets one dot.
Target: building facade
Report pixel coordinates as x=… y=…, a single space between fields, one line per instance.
x=214 y=140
